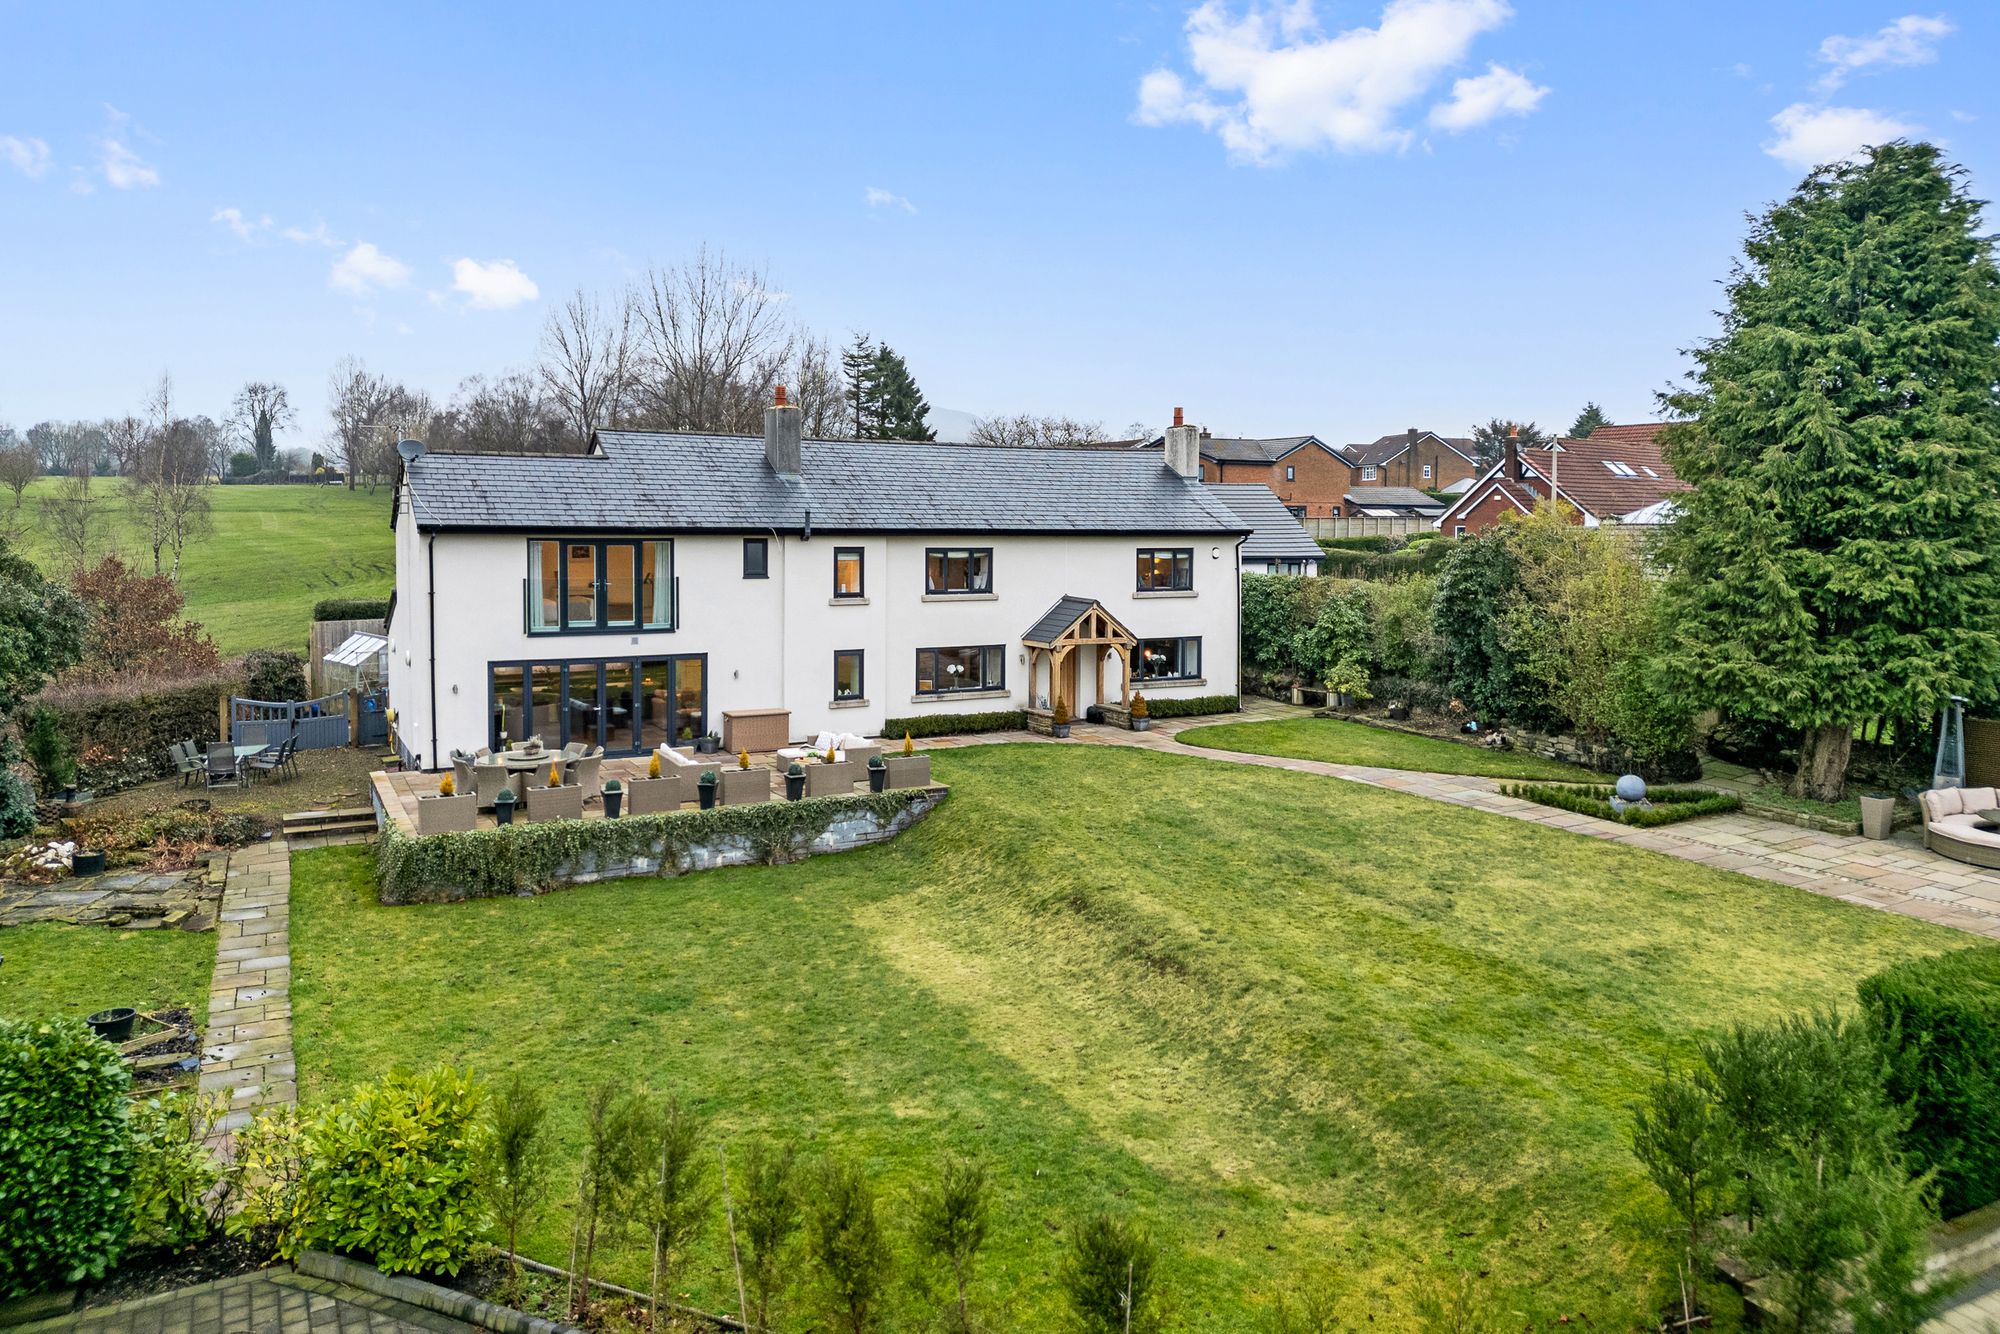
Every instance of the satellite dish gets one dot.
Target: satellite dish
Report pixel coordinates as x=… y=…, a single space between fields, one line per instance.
x=410 y=449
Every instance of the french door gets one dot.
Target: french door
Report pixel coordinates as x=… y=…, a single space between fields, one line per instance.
x=627 y=706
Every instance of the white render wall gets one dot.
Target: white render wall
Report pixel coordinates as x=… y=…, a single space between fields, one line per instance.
x=770 y=642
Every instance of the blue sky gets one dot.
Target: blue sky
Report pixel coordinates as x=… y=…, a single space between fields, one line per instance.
x=1344 y=218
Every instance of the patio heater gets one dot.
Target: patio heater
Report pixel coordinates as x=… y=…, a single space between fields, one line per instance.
x=1949 y=771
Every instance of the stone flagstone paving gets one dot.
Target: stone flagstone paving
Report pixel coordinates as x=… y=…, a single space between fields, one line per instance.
x=272 y=1301
x=248 y=1054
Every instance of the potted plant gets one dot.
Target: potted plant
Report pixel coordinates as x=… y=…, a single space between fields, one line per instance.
x=795 y=781
x=614 y=799
x=1399 y=712
x=1142 y=718
x=878 y=773
x=1059 y=720
x=704 y=789
x=503 y=806
x=653 y=766
x=708 y=744
x=114 y=1024
x=1346 y=684
x=86 y=863
x=743 y=759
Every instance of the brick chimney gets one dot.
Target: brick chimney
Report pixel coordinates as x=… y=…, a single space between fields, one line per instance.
x=1512 y=471
x=1411 y=435
x=1184 y=447
x=781 y=436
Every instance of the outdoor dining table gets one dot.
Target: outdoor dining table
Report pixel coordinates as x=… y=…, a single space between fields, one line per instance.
x=521 y=767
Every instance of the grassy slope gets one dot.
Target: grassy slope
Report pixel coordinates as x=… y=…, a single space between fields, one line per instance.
x=54 y=969
x=1336 y=742
x=1209 y=994
x=275 y=551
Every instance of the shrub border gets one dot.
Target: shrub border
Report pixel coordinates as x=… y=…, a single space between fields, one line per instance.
x=952 y=724
x=1682 y=803
x=532 y=858
x=1191 y=706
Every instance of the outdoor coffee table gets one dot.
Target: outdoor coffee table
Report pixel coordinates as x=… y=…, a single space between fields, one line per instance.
x=1988 y=819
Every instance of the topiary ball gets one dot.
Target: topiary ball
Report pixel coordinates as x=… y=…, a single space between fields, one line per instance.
x=1631 y=788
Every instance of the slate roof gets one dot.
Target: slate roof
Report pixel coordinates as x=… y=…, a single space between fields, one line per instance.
x=1067 y=612
x=1380 y=451
x=1229 y=449
x=1395 y=497
x=664 y=481
x=1275 y=534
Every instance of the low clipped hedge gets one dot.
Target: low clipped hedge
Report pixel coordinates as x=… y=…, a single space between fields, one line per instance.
x=1941 y=1019
x=350 y=609
x=65 y=1155
x=532 y=858
x=1670 y=804
x=1193 y=706
x=952 y=724
x=121 y=729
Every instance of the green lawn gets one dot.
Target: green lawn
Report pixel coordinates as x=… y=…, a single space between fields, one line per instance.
x=1283 y=1019
x=275 y=551
x=52 y=969
x=1338 y=742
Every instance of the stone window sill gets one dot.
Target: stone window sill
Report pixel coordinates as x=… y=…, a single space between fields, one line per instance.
x=1166 y=593
x=848 y=704
x=847 y=602
x=961 y=597
x=961 y=694
x=1168 y=682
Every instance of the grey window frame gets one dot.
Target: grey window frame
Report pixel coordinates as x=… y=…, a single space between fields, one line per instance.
x=1000 y=655
x=1179 y=559
x=968 y=553
x=762 y=545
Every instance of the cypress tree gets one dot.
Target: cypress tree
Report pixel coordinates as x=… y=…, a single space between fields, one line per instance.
x=857 y=370
x=1839 y=557
x=1587 y=421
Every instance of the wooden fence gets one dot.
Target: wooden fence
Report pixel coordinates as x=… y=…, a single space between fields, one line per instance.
x=326 y=636
x=1319 y=528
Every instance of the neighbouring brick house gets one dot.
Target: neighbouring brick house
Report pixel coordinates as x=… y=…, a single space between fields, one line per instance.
x=1306 y=474
x=1616 y=475
x=1416 y=459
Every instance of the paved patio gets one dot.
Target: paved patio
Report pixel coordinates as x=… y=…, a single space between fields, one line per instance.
x=271 y=1301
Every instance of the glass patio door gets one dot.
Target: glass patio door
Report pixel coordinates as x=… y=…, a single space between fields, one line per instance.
x=621 y=716
x=583 y=710
x=690 y=700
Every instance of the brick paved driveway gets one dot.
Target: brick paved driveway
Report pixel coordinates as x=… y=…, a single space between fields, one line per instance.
x=273 y=1301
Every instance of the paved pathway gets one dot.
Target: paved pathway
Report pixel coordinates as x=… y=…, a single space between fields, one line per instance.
x=1897 y=875
x=248 y=1057
x=271 y=1301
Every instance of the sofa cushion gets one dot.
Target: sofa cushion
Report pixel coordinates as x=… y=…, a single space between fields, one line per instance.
x=1965 y=829
x=1975 y=799
x=1940 y=802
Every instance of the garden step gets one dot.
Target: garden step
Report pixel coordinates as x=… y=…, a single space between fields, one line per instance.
x=340 y=820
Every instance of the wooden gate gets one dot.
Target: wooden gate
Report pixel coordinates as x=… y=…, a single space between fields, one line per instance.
x=319 y=724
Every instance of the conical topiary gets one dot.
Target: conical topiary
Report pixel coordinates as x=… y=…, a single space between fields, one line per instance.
x=653 y=768
x=908 y=748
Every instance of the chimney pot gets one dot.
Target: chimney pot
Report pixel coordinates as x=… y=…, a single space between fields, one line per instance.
x=1177 y=416
x=781 y=437
x=781 y=396
x=1184 y=447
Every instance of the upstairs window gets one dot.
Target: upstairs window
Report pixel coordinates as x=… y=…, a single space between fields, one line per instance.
x=579 y=585
x=847 y=572
x=1164 y=570
x=1427 y=472
x=756 y=558
x=1367 y=474
x=956 y=570
x=1291 y=473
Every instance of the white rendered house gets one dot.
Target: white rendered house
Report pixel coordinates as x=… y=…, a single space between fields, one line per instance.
x=629 y=597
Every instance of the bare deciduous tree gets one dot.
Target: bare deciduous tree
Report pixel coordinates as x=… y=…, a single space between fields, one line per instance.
x=510 y=413
x=816 y=387
x=261 y=410
x=1037 y=432
x=75 y=523
x=355 y=397
x=125 y=442
x=711 y=342
x=587 y=363
x=169 y=498
x=20 y=465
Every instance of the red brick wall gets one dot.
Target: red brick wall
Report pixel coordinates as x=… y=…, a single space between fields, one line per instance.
x=1319 y=482
x=1407 y=468
x=1480 y=517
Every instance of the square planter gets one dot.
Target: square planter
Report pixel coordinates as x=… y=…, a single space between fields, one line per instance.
x=832 y=780
x=909 y=770
x=447 y=815
x=555 y=803
x=654 y=796
x=740 y=787
x=1878 y=817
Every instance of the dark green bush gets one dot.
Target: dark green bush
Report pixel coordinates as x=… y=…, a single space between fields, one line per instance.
x=65 y=1155
x=1408 y=559
x=1194 y=706
x=17 y=805
x=174 y=1175
x=1671 y=804
x=350 y=609
x=121 y=728
x=1941 y=1017
x=954 y=724
x=1332 y=544
x=392 y=1171
x=49 y=752
x=1109 y=1267
x=274 y=674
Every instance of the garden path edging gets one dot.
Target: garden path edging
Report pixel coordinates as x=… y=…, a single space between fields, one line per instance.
x=428 y=1296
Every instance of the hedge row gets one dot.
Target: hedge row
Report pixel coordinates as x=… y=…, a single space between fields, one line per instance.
x=350 y=609
x=1941 y=1017
x=1191 y=707
x=952 y=724
x=1674 y=804
x=531 y=858
x=1417 y=558
x=121 y=729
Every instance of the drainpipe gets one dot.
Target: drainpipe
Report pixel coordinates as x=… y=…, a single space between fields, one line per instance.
x=430 y=574
x=1239 y=620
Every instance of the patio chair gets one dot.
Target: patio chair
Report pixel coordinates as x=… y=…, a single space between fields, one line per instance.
x=584 y=771
x=186 y=762
x=574 y=750
x=489 y=780
x=221 y=768
x=461 y=772
x=292 y=756
x=267 y=761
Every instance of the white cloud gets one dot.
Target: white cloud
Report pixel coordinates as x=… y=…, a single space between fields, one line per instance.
x=1810 y=135
x=319 y=235
x=1910 y=40
x=1271 y=83
x=498 y=285
x=245 y=228
x=1498 y=92
x=28 y=156
x=880 y=198
x=365 y=269
x=123 y=168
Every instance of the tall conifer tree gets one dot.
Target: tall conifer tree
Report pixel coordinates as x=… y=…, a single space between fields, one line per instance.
x=1839 y=557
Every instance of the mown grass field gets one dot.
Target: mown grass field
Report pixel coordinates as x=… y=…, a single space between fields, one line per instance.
x=1336 y=742
x=274 y=551
x=1285 y=1020
x=53 y=970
